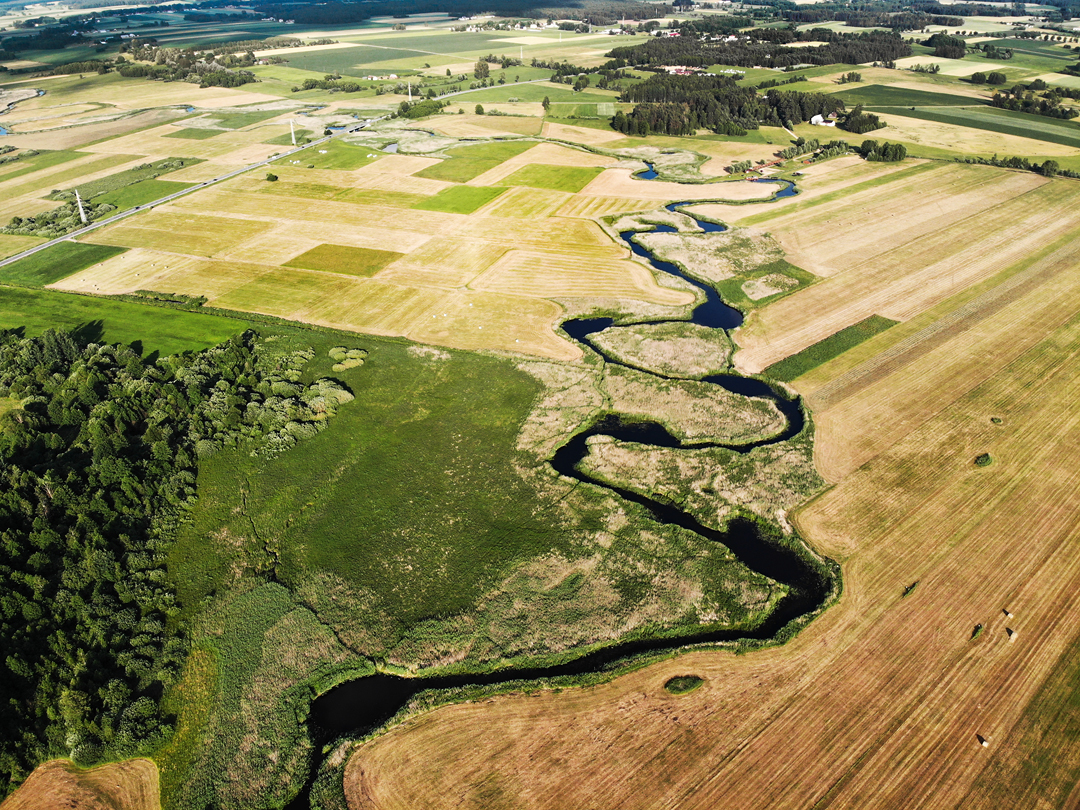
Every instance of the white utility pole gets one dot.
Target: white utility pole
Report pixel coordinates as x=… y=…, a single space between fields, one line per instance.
x=410 y=91
x=292 y=131
x=78 y=202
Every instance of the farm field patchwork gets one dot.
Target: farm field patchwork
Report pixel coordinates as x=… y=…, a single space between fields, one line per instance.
x=921 y=315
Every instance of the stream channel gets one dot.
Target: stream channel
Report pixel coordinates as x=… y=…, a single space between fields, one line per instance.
x=363 y=704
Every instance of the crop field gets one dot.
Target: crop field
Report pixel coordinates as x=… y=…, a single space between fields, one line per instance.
x=889 y=95
x=333 y=244
x=164 y=331
x=555 y=178
x=352 y=261
x=48 y=266
x=192 y=134
x=908 y=269
x=990 y=119
x=460 y=199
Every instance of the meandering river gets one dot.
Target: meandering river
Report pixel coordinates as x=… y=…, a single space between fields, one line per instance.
x=365 y=703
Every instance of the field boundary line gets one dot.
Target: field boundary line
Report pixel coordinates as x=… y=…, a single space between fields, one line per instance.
x=941 y=330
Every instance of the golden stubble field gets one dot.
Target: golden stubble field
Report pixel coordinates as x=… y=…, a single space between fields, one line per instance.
x=878 y=703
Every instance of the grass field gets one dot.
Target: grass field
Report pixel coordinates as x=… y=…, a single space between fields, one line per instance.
x=460 y=199
x=555 y=178
x=164 y=331
x=337 y=155
x=824 y=350
x=878 y=95
x=193 y=134
x=352 y=261
x=142 y=192
x=239 y=120
x=469 y=162
x=49 y=266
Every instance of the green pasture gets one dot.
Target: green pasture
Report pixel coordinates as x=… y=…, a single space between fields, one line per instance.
x=460 y=199
x=42 y=160
x=193 y=133
x=242 y=119
x=339 y=155
x=114 y=183
x=467 y=162
x=555 y=178
x=885 y=95
x=824 y=350
x=353 y=261
x=154 y=329
x=408 y=496
x=51 y=265
x=143 y=192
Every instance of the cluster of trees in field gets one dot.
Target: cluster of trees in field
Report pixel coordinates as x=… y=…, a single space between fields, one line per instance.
x=766 y=46
x=859 y=121
x=420 y=109
x=98 y=459
x=946 y=47
x=992 y=51
x=850 y=78
x=992 y=78
x=765 y=85
x=884 y=152
x=1025 y=100
x=680 y=105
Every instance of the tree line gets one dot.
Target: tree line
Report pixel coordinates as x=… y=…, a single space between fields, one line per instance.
x=99 y=451
x=680 y=105
x=765 y=47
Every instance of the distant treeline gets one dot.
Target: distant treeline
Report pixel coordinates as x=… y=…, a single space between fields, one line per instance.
x=766 y=47
x=597 y=12
x=898 y=21
x=680 y=105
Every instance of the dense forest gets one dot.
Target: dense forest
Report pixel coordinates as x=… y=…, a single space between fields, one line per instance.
x=680 y=105
x=766 y=47
x=98 y=456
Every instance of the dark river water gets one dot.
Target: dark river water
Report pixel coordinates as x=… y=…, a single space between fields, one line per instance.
x=365 y=703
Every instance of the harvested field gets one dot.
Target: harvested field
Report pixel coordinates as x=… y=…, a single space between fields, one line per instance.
x=583 y=135
x=527 y=203
x=449 y=262
x=77 y=136
x=161 y=230
x=878 y=702
x=549 y=274
x=128 y=785
x=936 y=253
x=581 y=205
x=967 y=140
